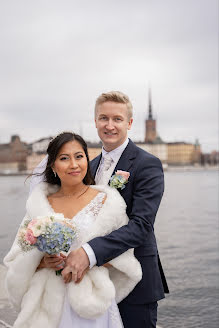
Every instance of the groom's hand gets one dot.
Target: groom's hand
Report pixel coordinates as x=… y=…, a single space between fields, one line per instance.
x=77 y=263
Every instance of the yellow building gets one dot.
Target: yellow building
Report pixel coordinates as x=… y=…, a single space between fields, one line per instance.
x=182 y=153
x=159 y=150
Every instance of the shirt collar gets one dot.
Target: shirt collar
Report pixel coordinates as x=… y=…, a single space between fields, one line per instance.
x=116 y=153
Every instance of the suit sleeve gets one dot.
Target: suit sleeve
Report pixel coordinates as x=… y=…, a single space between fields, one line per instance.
x=148 y=187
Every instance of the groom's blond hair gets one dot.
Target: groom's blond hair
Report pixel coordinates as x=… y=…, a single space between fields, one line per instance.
x=117 y=97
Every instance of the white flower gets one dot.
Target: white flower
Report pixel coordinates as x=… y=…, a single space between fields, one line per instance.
x=39 y=225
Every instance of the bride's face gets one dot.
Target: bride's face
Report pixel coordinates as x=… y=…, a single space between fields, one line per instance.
x=71 y=163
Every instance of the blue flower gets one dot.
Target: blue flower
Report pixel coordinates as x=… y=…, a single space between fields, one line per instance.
x=58 y=237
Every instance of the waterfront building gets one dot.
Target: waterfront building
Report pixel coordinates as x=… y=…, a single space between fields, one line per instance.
x=183 y=153
x=38 y=152
x=33 y=160
x=94 y=149
x=150 y=123
x=172 y=153
x=40 y=146
x=210 y=158
x=13 y=155
x=157 y=149
x=153 y=142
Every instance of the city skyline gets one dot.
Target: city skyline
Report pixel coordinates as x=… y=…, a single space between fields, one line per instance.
x=58 y=57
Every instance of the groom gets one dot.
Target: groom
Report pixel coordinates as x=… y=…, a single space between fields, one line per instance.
x=142 y=194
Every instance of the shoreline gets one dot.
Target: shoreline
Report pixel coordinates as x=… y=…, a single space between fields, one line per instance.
x=192 y=168
x=13 y=174
x=168 y=168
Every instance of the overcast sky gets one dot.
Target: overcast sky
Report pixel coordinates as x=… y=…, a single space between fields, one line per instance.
x=56 y=57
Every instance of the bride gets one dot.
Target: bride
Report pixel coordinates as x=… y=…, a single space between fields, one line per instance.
x=45 y=299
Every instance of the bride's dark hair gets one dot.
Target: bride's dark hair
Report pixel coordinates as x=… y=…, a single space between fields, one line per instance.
x=52 y=151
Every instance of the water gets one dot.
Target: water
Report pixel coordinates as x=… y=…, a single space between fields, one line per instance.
x=187 y=233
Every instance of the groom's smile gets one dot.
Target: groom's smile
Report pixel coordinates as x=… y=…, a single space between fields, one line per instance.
x=112 y=124
x=110 y=134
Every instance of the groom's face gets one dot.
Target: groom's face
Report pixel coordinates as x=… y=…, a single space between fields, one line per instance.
x=112 y=123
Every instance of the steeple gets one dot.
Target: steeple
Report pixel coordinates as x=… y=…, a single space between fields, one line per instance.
x=150 y=116
x=150 y=123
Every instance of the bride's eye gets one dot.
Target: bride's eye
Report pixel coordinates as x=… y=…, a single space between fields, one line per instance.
x=80 y=156
x=63 y=158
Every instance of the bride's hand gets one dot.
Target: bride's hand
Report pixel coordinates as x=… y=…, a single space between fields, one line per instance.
x=68 y=277
x=107 y=265
x=82 y=276
x=55 y=262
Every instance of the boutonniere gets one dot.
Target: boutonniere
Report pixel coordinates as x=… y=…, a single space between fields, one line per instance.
x=119 y=179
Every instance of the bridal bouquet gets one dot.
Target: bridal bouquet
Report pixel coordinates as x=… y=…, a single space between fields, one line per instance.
x=49 y=234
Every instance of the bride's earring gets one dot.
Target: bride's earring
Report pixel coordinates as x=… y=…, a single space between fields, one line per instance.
x=54 y=173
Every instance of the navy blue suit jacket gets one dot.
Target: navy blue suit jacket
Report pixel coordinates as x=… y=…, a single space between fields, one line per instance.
x=142 y=195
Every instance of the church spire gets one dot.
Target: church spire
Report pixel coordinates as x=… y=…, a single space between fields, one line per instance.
x=150 y=123
x=150 y=116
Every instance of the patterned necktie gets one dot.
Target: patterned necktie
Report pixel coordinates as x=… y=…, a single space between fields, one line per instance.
x=107 y=162
x=105 y=174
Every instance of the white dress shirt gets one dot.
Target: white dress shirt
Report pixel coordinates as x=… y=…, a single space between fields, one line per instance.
x=115 y=154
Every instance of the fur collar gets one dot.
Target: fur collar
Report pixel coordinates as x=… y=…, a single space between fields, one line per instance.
x=111 y=216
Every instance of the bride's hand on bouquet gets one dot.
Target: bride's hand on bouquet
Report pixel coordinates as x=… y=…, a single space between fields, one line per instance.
x=55 y=262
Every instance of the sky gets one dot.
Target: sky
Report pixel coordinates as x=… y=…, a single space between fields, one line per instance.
x=57 y=57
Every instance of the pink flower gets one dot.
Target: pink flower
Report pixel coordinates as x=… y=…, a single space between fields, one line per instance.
x=30 y=237
x=32 y=223
x=124 y=174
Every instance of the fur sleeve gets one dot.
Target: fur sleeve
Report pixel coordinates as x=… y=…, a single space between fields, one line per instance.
x=21 y=268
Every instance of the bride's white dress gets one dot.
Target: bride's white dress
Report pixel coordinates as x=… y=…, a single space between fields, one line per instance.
x=111 y=318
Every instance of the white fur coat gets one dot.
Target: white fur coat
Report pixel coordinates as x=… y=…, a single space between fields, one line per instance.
x=39 y=296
